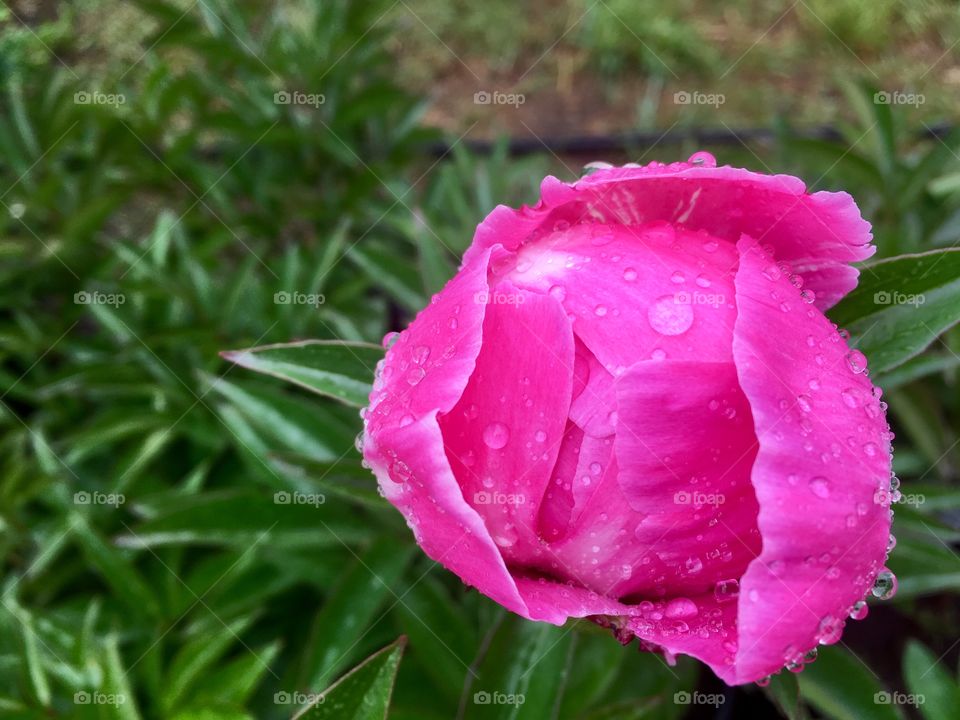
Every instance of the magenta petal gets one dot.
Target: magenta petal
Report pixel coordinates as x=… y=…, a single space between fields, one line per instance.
x=556 y=602
x=636 y=292
x=685 y=446
x=428 y=365
x=820 y=234
x=414 y=475
x=824 y=454
x=504 y=434
x=699 y=625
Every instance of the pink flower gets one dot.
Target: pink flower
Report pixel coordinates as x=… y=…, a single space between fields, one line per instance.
x=628 y=405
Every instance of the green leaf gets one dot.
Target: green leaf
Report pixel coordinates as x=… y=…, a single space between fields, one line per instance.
x=524 y=673
x=784 y=691
x=345 y=617
x=364 y=692
x=246 y=519
x=340 y=370
x=842 y=688
x=902 y=305
x=928 y=678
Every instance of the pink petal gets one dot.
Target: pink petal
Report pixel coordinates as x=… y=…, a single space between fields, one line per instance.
x=414 y=475
x=820 y=234
x=636 y=292
x=700 y=626
x=427 y=367
x=685 y=446
x=824 y=453
x=504 y=434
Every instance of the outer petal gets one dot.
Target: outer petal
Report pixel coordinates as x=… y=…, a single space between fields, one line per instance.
x=824 y=453
x=819 y=234
x=414 y=474
x=428 y=366
x=504 y=434
x=415 y=477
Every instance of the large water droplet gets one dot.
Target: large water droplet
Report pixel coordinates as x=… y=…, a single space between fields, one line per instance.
x=415 y=375
x=703 y=159
x=885 y=586
x=829 y=630
x=856 y=361
x=681 y=608
x=668 y=317
x=726 y=590
x=496 y=435
x=820 y=487
x=859 y=610
x=629 y=274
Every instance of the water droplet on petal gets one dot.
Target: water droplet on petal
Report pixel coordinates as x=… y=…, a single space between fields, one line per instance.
x=677 y=278
x=496 y=435
x=703 y=159
x=681 y=608
x=859 y=610
x=669 y=317
x=885 y=586
x=856 y=361
x=629 y=274
x=820 y=487
x=829 y=630
x=726 y=590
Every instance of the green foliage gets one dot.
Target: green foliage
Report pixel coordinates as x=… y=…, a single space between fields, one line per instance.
x=182 y=538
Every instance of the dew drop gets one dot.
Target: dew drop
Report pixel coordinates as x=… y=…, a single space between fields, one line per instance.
x=857 y=362
x=496 y=435
x=726 y=590
x=669 y=317
x=859 y=610
x=829 y=630
x=820 y=487
x=885 y=586
x=629 y=274
x=681 y=608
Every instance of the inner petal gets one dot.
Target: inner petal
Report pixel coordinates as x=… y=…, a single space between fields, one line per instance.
x=504 y=434
x=636 y=292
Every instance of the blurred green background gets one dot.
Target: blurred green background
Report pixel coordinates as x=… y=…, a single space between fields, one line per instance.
x=183 y=178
